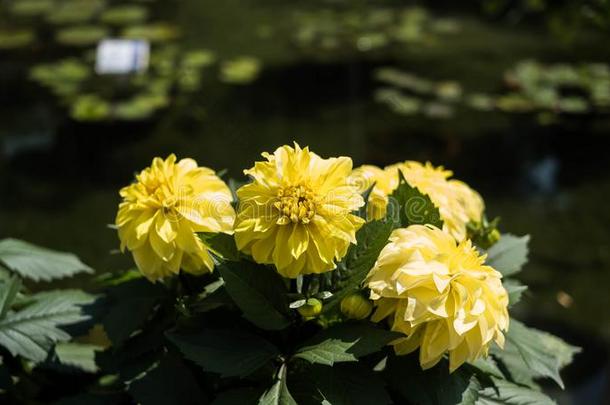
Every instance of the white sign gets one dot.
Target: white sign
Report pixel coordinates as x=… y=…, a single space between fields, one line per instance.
x=121 y=56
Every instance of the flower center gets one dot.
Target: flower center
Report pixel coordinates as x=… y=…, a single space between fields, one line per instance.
x=295 y=204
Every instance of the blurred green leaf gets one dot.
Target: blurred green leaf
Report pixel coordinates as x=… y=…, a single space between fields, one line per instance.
x=37 y=263
x=278 y=394
x=78 y=355
x=31 y=331
x=509 y=254
x=534 y=352
x=515 y=290
x=9 y=289
x=505 y=392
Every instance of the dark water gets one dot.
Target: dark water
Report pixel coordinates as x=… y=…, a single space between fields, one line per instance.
x=59 y=178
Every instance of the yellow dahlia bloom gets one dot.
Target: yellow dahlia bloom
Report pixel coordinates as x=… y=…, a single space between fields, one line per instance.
x=440 y=294
x=458 y=204
x=164 y=209
x=297 y=211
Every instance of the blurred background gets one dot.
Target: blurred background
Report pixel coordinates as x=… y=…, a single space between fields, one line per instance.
x=512 y=95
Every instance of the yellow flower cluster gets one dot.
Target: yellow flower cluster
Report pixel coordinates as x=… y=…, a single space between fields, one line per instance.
x=440 y=294
x=457 y=203
x=162 y=212
x=297 y=211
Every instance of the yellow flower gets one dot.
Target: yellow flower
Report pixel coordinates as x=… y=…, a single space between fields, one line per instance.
x=440 y=294
x=458 y=204
x=297 y=211
x=164 y=209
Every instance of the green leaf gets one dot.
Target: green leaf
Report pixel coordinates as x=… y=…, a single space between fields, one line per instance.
x=355 y=339
x=342 y=384
x=213 y=296
x=515 y=290
x=509 y=254
x=8 y=292
x=360 y=258
x=226 y=352
x=167 y=382
x=409 y=206
x=32 y=331
x=328 y=352
x=541 y=354
x=37 y=263
x=129 y=305
x=362 y=211
x=222 y=244
x=505 y=392
x=435 y=386
x=78 y=355
x=278 y=394
x=116 y=278
x=488 y=366
x=258 y=291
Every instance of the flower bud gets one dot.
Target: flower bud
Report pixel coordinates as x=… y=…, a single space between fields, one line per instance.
x=311 y=309
x=356 y=306
x=493 y=237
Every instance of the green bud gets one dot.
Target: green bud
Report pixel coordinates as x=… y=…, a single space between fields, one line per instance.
x=311 y=309
x=493 y=237
x=356 y=306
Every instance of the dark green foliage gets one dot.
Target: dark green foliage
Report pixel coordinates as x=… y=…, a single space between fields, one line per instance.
x=345 y=383
x=230 y=353
x=221 y=244
x=167 y=381
x=348 y=341
x=129 y=305
x=360 y=258
x=258 y=291
x=409 y=206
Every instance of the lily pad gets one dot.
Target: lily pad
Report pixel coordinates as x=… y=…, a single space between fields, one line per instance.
x=159 y=32
x=82 y=35
x=125 y=15
x=240 y=70
x=140 y=107
x=16 y=38
x=74 y=11
x=31 y=8
x=398 y=102
x=573 y=105
x=90 y=107
x=198 y=58
x=189 y=80
x=64 y=78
